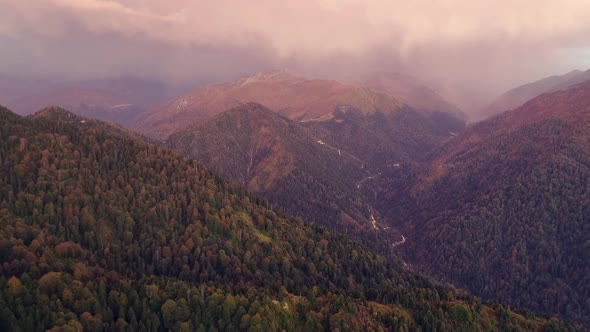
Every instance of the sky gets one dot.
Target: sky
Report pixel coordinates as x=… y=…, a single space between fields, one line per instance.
x=468 y=50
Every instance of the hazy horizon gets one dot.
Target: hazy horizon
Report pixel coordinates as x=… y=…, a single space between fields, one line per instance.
x=469 y=51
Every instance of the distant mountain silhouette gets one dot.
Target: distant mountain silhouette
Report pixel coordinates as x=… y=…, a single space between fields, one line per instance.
x=282 y=91
x=117 y=99
x=518 y=96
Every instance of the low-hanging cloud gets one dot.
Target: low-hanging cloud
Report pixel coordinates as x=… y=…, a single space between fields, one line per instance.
x=470 y=49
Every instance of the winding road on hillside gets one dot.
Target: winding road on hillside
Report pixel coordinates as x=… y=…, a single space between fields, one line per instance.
x=360 y=183
x=395 y=244
x=341 y=152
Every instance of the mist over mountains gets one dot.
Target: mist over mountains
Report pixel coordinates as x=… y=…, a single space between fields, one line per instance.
x=402 y=175
x=469 y=52
x=279 y=165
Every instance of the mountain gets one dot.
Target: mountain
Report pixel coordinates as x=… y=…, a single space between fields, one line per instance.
x=385 y=137
x=13 y=89
x=322 y=168
x=518 y=96
x=503 y=209
x=118 y=99
x=102 y=231
x=282 y=161
x=282 y=91
x=82 y=101
x=411 y=91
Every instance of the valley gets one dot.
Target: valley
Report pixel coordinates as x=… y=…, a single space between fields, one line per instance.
x=410 y=184
x=407 y=177
x=86 y=245
x=318 y=165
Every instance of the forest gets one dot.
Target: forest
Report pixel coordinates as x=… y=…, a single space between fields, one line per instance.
x=504 y=212
x=103 y=231
x=280 y=160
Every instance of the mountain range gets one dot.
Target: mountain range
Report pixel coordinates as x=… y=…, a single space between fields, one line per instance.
x=443 y=197
x=502 y=209
x=411 y=91
x=286 y=93
x=519 y=95
x=103 y=231
x=315 y=168
x=498 y=208
x=117 y=99
x=282 y=161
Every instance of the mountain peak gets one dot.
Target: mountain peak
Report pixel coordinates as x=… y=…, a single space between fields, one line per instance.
x=56 y=113
x=574 y=72
x=7 y=115
x=273 y=76
x=250 y=109
x=251 y=105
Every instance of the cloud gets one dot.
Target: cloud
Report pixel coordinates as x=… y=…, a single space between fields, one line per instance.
x=453 y=43
x=319 y=27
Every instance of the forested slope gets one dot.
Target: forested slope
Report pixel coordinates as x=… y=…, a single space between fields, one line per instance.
x=504 y=209
x=386 y=136
x=101 y=231
x=281 y=161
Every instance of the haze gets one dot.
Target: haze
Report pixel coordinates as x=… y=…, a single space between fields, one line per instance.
x=470 y=51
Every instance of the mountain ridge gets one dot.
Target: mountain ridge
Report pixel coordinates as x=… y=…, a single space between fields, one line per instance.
x=411 y=91
x=286 y=93
x=525 y=171
x=282 y=161
x=521 y=94
x=114 y=99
